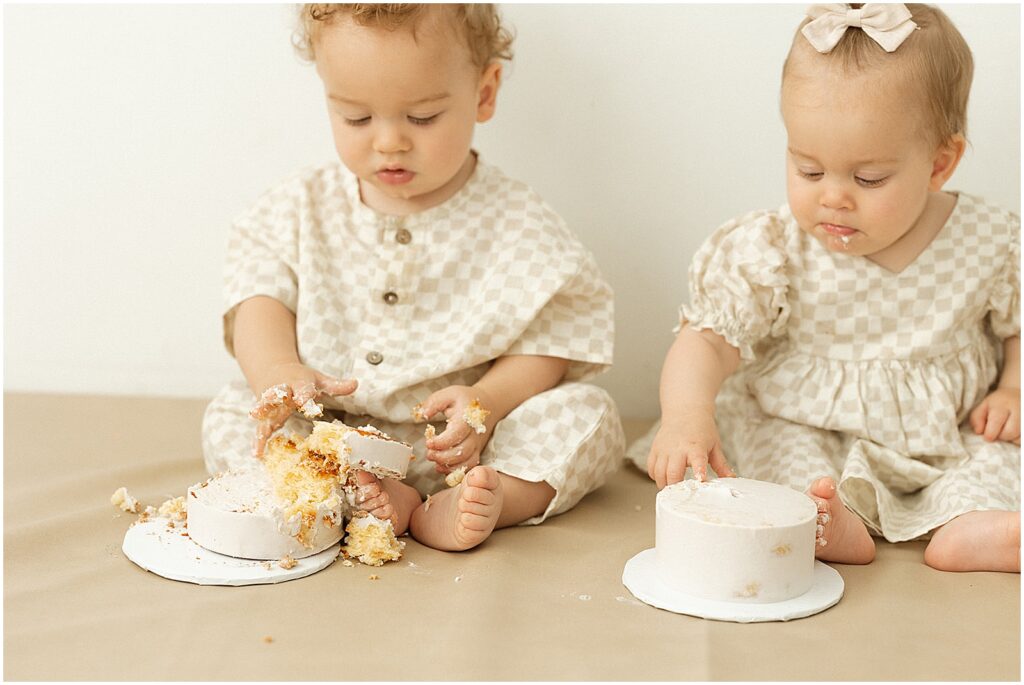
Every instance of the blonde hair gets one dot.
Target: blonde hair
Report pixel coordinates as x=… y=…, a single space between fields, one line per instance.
x=479 y=24
x=935 y=61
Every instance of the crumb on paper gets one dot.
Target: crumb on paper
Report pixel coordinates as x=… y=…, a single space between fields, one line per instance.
x=475 y=415
x=347 y=562
x=268 y=639
x=585 y=598
x=125 y=502
x=458 y=579
x=174 y=509
x=637 y=508
x=287 y=562
x=372 y=541
x=455 y=477
x=374 y=576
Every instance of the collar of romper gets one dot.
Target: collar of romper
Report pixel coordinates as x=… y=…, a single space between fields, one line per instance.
x=370 y=221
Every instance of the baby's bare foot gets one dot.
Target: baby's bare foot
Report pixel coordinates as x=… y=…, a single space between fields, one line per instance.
x=842 y=536
x=461 y=517
x=977 y=541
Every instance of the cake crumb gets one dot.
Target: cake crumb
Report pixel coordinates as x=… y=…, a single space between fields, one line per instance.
x=475 y=415
x=430 y=433
x=637 y=508
x=347 y=562
x=311 y=409
x=426 y=504
x=174 y=509
x=417 y=414
x=287 y=562
x=268 y=639
x=585 y=598
x=125 y=502
x=458 y=579
x=267 y=565
x=374 y=576
x=782 y=550
x=455 y=477
x=372 y=541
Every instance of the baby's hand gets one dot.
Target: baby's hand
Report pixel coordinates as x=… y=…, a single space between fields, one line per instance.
x=689 y=439
x=998 y=416
x=461 y=443
x=297 y=389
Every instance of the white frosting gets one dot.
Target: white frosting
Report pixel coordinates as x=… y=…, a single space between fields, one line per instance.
x=736 y=540
x=373 y=451
x=237 y=513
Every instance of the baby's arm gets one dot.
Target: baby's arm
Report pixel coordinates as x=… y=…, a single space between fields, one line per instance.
x=696 y=366
x=266 y=350
x=998 y=415
x=508 y=383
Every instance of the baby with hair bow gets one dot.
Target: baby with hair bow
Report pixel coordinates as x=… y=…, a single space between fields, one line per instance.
x=862 y=342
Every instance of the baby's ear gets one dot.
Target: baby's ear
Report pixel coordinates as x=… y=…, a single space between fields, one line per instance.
x=945 y=161
x=487 y=99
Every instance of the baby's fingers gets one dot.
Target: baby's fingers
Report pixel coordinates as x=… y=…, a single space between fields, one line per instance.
x=455 y=433
x=1011 y=429
x=675 y=469
x=978 y=418
x=996 y=420
x=329 y=385
x=719 y=464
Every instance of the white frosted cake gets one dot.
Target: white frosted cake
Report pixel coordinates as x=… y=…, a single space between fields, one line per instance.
x=292 y=502
x=735 y=540
x=380 y=454
x=237 y=513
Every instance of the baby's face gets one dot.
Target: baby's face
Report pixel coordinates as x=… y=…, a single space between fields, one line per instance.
x=858 y=166
x=403 y=109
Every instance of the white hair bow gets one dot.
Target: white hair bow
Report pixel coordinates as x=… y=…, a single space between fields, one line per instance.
x=887 y=24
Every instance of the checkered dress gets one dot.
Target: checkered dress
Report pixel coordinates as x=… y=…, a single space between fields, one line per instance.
x=863 y=374
x=410 y=305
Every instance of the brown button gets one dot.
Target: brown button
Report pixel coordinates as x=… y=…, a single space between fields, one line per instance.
x=403 y=236
x=391 y=297
x=374 y=357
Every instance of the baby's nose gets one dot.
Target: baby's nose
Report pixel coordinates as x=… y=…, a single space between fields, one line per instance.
x=390 y=138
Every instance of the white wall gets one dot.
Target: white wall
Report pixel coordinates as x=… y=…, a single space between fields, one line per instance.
x=133 y=134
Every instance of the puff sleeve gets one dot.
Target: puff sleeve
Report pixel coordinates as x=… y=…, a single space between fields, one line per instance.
x=738 y=282
x=1004 y=302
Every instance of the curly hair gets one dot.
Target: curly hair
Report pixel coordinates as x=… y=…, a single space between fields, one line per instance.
x=480 y=25
x=935 y=61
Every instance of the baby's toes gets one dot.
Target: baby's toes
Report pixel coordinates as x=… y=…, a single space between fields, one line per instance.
x=386 y=513
x=479 y=496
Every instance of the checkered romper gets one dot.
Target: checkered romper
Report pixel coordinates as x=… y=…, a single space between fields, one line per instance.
x=410 y=305
x=862 y=374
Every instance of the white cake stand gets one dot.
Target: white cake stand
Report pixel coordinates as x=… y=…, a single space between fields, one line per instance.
x=641 y=578
x=172 y=554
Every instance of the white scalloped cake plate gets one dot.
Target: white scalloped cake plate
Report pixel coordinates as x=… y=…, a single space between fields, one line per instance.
x=171 y=554
x=641 y=578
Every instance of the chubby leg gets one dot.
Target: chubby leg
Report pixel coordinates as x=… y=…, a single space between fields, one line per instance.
x=464 y=516
x=843 y=537
x=387 y=499
x=977 y=541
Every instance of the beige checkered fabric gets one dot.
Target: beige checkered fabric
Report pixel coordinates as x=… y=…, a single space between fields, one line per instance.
x=410 y=305
x=863 y=374
x=570 y=437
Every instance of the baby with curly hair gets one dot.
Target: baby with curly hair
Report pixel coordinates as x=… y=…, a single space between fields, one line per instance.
x=448 y=290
